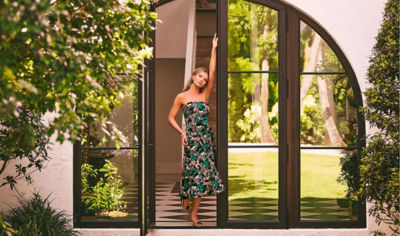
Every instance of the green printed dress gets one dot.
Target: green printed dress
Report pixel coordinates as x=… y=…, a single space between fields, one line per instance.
x=199 y=176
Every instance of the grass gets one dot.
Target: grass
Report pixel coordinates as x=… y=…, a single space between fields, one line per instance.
x=319 y=175
x=255 y=174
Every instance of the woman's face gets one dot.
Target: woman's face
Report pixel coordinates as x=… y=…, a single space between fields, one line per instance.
x=200 y=79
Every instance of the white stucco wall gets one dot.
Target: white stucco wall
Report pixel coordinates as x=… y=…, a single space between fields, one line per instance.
x=353 y=24
x=55 y=179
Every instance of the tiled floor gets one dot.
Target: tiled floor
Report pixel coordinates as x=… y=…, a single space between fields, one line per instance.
x=253 y=209
x=326 y=209
x=168 y=205
x=169 y=212
x=131 y=199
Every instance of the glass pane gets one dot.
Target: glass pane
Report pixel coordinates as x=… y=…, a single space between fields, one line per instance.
x=252 y=37
x=315 y=53
x=323 y=197
x=109 y=184
x=253 y=184
x=124 y=116
x=253 y=108
x=328 y=114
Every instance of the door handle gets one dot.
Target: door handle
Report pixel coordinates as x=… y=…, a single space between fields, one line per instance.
x=150 y=146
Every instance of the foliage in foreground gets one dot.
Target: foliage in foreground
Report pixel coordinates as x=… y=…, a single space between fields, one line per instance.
x=380 y=159
x=36 y=217
x=64 y=57
x=15 y=147
x=5 y=228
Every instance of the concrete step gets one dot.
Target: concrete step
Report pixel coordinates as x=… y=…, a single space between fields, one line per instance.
x=225 y=232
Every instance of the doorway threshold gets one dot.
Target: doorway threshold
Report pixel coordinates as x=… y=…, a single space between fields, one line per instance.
x=225 y=232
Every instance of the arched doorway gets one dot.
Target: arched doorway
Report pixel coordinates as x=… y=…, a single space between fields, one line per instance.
x=287 y=120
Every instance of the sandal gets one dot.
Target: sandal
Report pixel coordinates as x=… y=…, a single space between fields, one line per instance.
x=197 y=224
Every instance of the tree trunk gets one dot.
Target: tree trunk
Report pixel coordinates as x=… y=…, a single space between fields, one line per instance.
x=314 y=50
x=266 y=134
x=310 y=64
x=328 y=111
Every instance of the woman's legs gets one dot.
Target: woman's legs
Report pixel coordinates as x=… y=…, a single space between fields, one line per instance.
x=185 y=204
x=195 y=208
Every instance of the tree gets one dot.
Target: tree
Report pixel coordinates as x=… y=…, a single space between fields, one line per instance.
x=328 y=111
x=380 y=159
x=63 y=57
x=317 y=56
x=311 y=45
x=252 y=46
x=261 y=50
x=32 y=146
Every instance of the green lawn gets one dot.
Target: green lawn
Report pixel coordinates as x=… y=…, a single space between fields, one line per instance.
x=255 y=174
x=319 y=175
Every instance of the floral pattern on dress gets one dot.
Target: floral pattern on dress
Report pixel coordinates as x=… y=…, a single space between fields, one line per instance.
x=199 y=176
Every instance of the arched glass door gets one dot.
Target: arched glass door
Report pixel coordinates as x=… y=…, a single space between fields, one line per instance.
x=288 y=122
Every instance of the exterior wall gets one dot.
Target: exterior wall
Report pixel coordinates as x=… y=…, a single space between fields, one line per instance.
x=353 y=24
x=55 y=179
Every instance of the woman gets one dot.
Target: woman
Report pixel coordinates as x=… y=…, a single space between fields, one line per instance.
x=199 y=176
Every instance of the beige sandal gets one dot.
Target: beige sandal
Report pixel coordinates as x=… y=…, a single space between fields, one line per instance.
x=197 y=224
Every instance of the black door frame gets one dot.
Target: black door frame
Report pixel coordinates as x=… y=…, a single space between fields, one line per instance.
x=289 y=130
x=293 y=51
x=289 y=144
x=222 y=119
x=77 y=184
x=147 y=179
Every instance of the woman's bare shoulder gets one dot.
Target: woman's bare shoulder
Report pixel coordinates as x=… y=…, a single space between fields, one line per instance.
x=180 y=97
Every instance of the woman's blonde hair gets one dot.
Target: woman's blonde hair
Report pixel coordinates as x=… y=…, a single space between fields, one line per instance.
x=195 y=72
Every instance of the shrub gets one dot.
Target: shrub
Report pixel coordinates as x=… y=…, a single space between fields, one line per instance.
x=350 y=163
x=5 y=228
x=107 y=192
x=36 y=217
x=380 y=159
